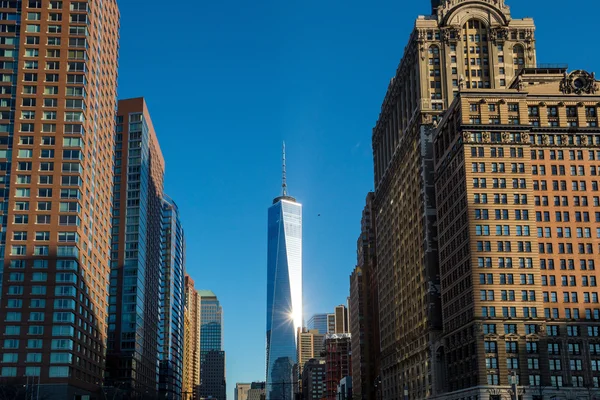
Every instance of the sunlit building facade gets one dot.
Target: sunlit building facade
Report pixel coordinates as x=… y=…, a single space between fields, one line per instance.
x=172 y=303
x=284 y=294
x=461 y=45
x=57 y=114
x=133 y=331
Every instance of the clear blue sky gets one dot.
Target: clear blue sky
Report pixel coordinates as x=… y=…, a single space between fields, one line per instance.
x=227 y=81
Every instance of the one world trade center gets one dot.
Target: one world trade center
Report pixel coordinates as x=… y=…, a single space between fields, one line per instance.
x=284 y=292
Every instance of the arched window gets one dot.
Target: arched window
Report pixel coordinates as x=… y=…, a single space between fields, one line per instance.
x=476 y=55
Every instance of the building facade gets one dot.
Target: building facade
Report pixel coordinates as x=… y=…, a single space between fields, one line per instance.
x=474 y=44
x=191 y=369
x=284 y=293
x=57 y=113
x=338 y=362
x=241 y=391
x=132 y=355
x=318 y=322
x=211 y=340
x=338 y=321
x=213 y=384
x=518 y=255
x=313 y=379
x=364 y=322
x=257 y=391
x=172 y=303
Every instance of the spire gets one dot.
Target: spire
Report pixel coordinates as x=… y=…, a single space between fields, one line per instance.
x=283 y=182
x=434 y=6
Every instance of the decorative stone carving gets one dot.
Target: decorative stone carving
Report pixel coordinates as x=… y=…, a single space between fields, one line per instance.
x=525 y=138
x=486 y=137
x=564 y=139
x=545 y=140
x=505 y=137
x=498 y=34
x=584 y=140
x=466 y=137
x=579 y=82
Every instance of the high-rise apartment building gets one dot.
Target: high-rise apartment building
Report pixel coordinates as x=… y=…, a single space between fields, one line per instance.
x=338 y=362
x=187 y=387
x=191 y=369
x=133 y=331
x=172 y=305
x=364 y=324
x=284 y=292
x=338 y=321
x=57 y=111
x=463 y=45
x=318 y=322
x=519 y=220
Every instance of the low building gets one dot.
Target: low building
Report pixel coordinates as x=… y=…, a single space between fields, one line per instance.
x=313 y=379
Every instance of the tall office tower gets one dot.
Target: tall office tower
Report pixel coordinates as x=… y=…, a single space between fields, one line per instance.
x=191 y=369
x=211 y=340
x=241 y=391
x=284 y=292
x=519 y=221
x=136 y=252
x=213 y=384
x=310 y=345
x=465 y=44
x=338 y=362
x=364 y=324
x=318 y=322
x=57 y=113
x=313 y=379
x=172 y=304
x=338 y=321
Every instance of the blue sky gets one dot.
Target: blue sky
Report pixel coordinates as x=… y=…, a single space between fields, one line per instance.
x=227 y=81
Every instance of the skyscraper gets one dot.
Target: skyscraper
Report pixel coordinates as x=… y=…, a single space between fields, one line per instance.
x=213 y=384
x=463 y=45
x=284 y=292
x=191 y=369
x=338 y=321
x=519 y=222
x=136 y=252
x=172 y=305
x=318 y=322
x=211 y=342
x=364 y=325
x=57 y=114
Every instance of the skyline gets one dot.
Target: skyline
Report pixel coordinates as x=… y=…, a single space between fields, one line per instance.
x=337 y=256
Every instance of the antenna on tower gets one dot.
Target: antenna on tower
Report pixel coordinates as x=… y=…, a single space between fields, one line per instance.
x=284 y=183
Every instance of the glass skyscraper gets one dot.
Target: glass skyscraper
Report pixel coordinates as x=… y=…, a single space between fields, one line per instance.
x=212 y=356
x=172 y=303
x=284 y=293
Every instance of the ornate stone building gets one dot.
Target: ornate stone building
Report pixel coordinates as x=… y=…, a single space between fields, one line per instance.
x=463 y=45
x=519 y=238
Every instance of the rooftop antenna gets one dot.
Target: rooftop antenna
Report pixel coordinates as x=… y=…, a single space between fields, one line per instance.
x=284 y=183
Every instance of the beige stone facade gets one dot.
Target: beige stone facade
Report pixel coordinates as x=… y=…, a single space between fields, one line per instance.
x=519 y=227
x=427 y=300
